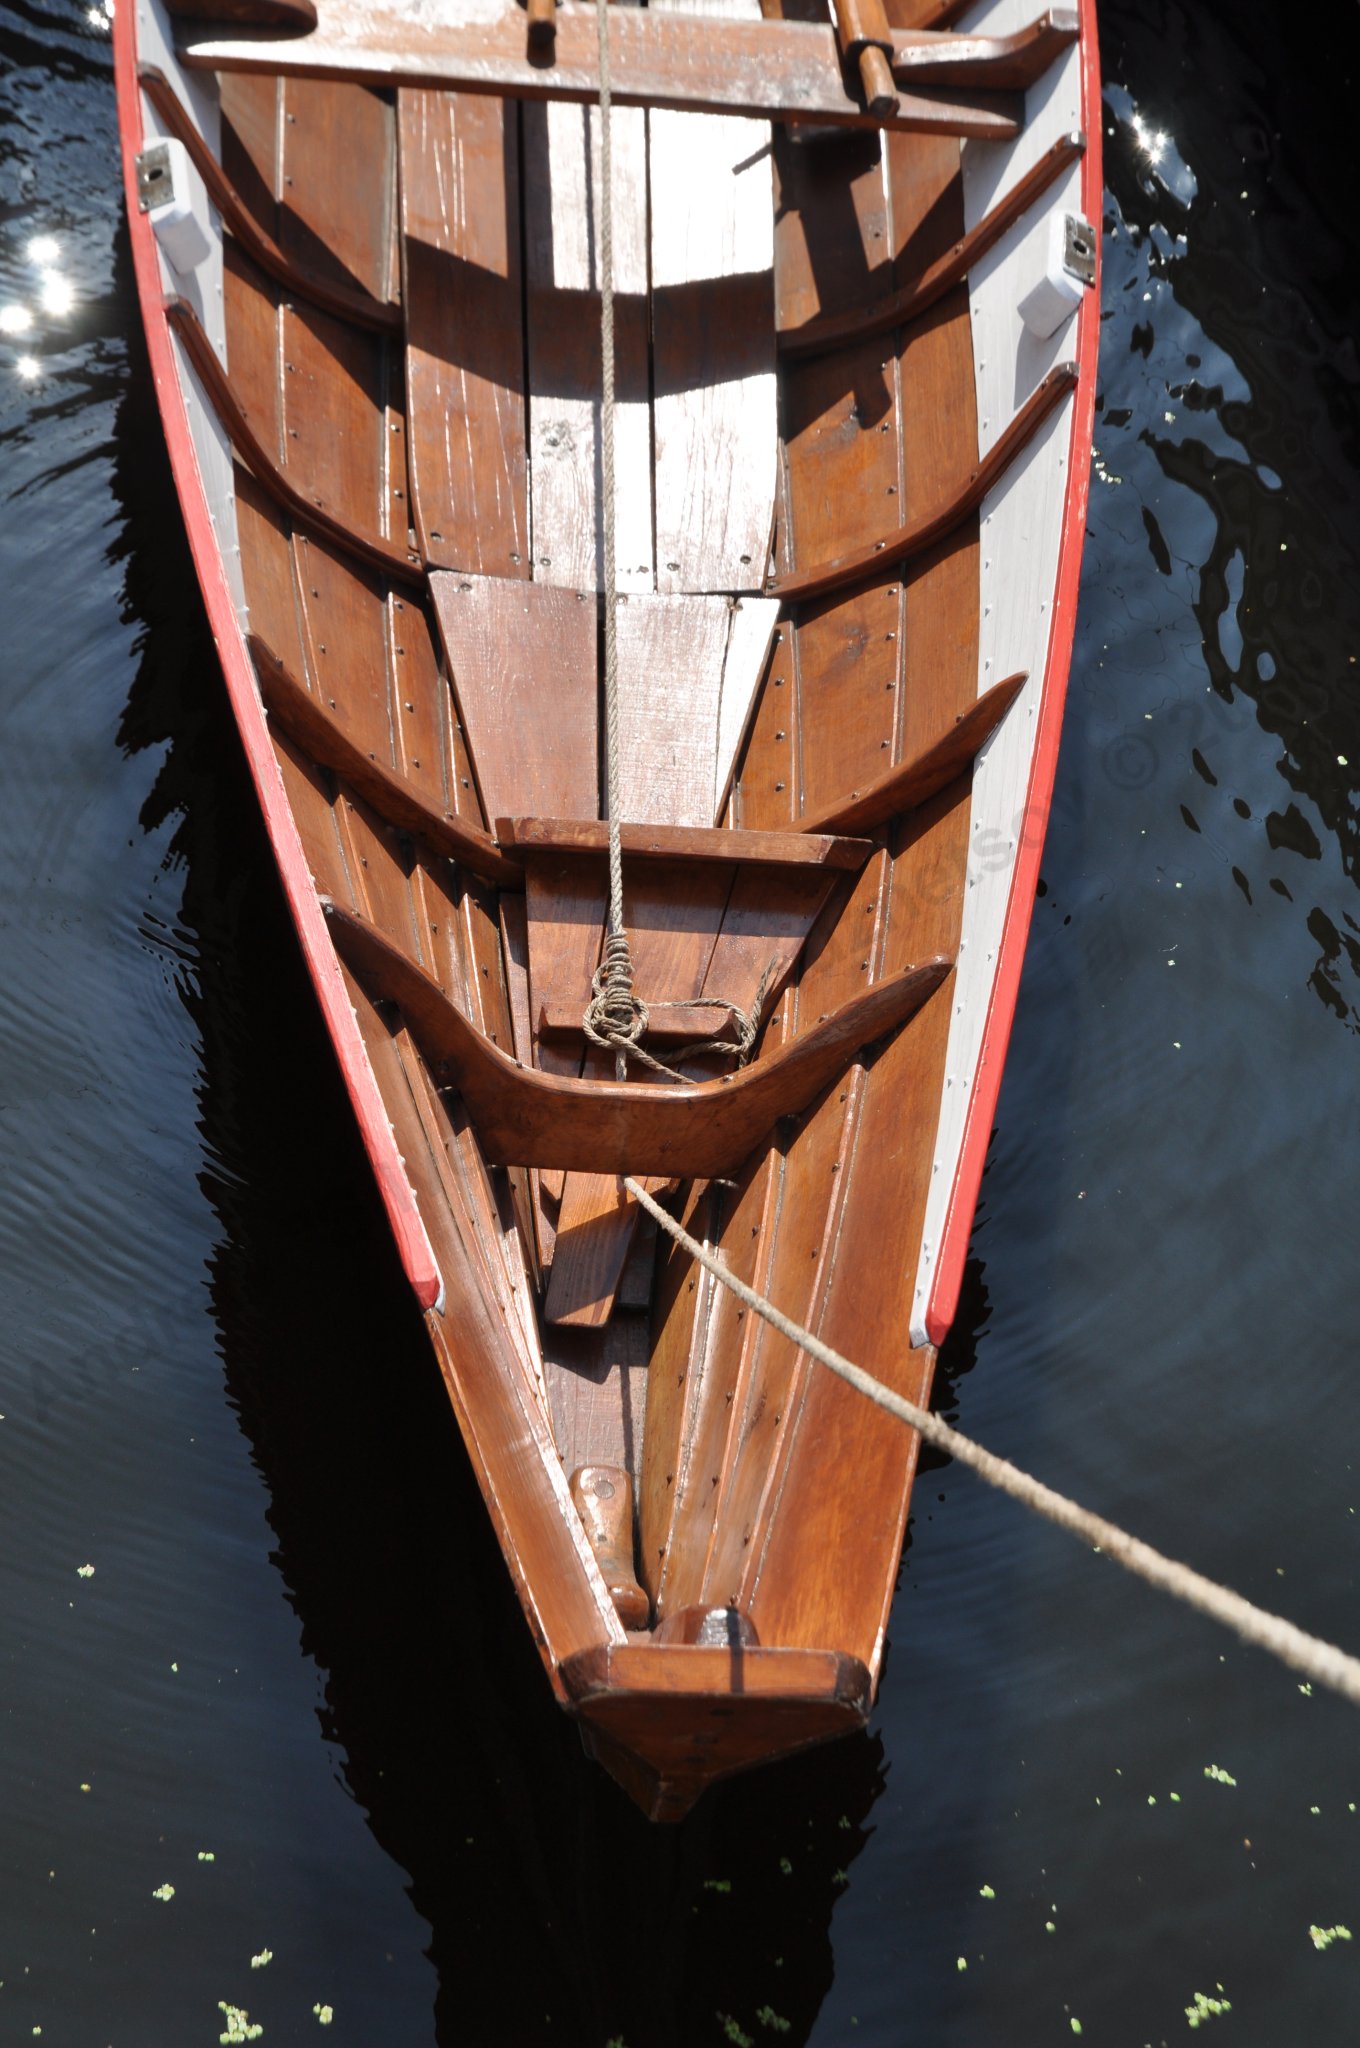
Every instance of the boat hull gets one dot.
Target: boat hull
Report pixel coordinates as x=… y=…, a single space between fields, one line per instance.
x=367 y=482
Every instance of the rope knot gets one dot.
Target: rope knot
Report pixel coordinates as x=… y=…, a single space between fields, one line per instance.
x=615 y=1018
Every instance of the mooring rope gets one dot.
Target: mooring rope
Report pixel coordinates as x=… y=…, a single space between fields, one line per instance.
x=1317 y=1660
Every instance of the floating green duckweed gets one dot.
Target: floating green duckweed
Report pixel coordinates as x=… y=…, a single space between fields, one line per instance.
x=1075 y=2025
x=265 y=1957
x=207 y=1856
x=84 y=1571
x=164 y=1891
x=240 y=2026
x=1050 y=1927
x=324 y=2013
x=985 y=1892
x=776 y=2022
x=1219 y=1775
x=1323 y=1937
x=963 y=1962
x=1206 y=2008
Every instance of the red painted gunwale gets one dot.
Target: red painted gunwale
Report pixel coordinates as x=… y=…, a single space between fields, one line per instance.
x=413 y=1244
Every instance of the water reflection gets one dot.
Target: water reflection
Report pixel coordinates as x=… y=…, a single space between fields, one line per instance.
x=1226 y=406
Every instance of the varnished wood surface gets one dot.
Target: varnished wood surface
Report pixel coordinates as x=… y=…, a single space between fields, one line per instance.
x=419 y=529
x=523 y=1116
x=914 y=536
x=521 y=836
x=785 y=71
x=927 y=773
x=832 y=330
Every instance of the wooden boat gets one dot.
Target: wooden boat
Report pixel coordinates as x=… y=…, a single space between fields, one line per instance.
x=856 y=326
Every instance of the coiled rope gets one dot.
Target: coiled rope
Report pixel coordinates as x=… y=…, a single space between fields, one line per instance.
x=1319 y=1661
x=615 y=1016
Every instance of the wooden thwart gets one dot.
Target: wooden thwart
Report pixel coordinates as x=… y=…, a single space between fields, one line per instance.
x=773 y=70
x=523 y=837
x=912 y=782
x=686 y=1130
x=920 y=533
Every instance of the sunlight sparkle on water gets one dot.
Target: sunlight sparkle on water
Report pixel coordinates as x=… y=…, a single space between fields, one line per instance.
x=1151 y=142
x=44 y=249
x=28 y=367
x=57 y=295
x=15 y=319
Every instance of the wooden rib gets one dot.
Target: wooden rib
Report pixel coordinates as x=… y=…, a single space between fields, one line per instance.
x=985 y=63
x=368 y=548
x=919 y=533
x=835 y=330
x=356 y=305
x=686 y=1130
x=932 y=769
x=292 y=707
x=520 y=837
x=784 y=71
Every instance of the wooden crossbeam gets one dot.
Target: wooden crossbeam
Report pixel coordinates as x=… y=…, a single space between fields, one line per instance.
x=926 y=773
x=771 y=70
x=522 y=838
x=835 y=330
x=351 y=303
x=843 y=571
x=690 y=1130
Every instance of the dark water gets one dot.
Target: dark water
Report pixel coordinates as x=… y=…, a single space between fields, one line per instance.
x=297 y=1654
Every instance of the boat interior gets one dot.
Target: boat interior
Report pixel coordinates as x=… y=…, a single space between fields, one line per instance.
x=409 y=381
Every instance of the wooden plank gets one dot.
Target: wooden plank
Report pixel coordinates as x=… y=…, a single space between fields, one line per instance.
x=680 y=1130
x=366 y=546
x=562 y=199
x=337 y=167
x=832 y=330
x=460 y=235
x=767 y=918
x=523 y=662
x=594 y=1232
x=669 y=1026
x=751 y=629
x=526 y=838
x=688 y=670
x=955 y=502
x=782 y=71
x=713 y=346
x=597 y=1383
x=295 y=274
